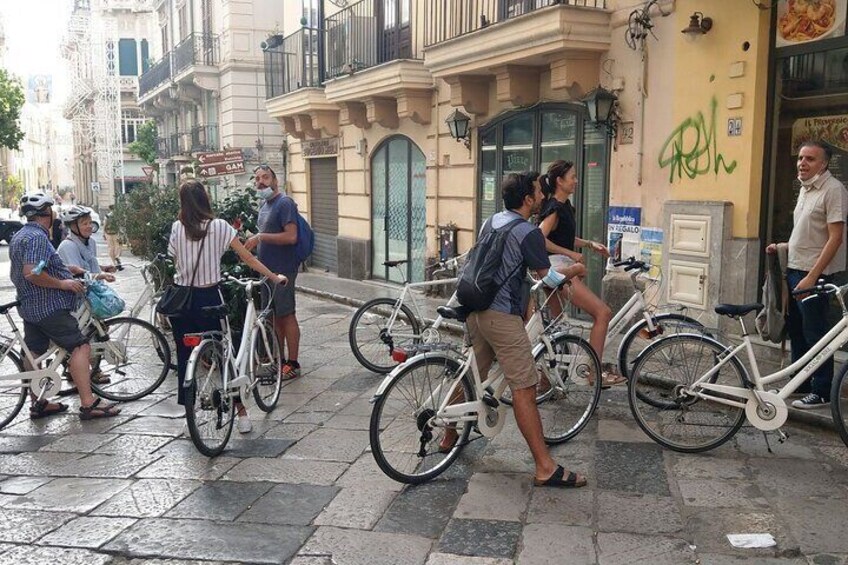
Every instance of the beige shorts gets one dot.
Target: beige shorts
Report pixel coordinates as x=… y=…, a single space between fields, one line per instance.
x=502 y=336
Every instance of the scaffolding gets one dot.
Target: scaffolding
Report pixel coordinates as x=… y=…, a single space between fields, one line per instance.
x=94 y=103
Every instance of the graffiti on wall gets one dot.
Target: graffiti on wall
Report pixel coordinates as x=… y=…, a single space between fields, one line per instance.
x=692 y=148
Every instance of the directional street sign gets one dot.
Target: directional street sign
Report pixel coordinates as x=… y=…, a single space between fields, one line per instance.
x=221 y=169
x=219 y=163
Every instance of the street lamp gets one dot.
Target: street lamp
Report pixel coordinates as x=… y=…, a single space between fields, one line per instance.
x=458 y=126
x=601 y=105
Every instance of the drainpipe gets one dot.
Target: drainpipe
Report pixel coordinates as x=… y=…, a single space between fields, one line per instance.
x=434 y=112
x=643 y=93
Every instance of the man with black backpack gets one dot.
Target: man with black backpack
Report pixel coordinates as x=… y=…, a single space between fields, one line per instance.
x=492 y=285
x=277 y=248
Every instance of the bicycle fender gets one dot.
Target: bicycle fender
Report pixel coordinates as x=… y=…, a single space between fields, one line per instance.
x=388 y=378
x=192 y=360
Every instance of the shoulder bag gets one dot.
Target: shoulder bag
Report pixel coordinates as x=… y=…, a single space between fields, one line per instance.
x=177 y=299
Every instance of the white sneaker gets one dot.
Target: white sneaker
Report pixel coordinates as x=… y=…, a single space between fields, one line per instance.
x=243 y=424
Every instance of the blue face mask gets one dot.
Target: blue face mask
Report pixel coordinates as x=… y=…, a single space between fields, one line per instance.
x=265 y=193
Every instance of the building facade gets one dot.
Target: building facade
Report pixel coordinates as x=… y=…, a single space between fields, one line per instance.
x=698 y=174
x=205 y=88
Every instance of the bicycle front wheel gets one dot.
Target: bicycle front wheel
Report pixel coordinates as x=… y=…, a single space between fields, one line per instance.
x=839 y=403
x=133 y=354
x=408 y=444
x=265 y=364
x=210 y=412
x=372 y=338
x=569 y=386
x=670 y=413
x=13 y=391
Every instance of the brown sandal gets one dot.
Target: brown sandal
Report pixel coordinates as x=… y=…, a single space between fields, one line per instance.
x=42 y=409
x=96 y=411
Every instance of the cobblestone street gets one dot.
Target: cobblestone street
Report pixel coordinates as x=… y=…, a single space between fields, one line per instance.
x=303 y=488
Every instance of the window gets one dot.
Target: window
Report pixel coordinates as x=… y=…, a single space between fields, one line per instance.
x=130 y=122
x=127 y=57
x=145 y=56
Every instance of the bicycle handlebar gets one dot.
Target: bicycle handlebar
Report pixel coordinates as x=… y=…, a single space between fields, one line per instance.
x=631 y=263
x=820 y=288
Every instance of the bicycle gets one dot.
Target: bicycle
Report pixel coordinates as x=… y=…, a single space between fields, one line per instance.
x=440 y=388
x=115 y=348
x=145 y=305
x=382 y=325
x=697 y=384
x=216 y=376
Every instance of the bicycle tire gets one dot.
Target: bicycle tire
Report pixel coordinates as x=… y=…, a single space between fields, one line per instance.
x=12 y=394
x=636 y=340
x=566 y=398
x=210 y=412
x=683 y=359
x=839 y=403
x=125 y=387
x=265 y=364
x=379 y=311
x=391 y=446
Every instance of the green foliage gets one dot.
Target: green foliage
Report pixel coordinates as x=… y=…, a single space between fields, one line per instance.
x=144 y=145
x=11 y=102
x=13 y=189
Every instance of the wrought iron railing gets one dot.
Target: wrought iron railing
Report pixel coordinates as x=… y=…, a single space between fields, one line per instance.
x=292 y=63
x=163 y=148
x=204 y=138
x=446 y=19
x=155 y=75
x=365 y=34
x=196 y=49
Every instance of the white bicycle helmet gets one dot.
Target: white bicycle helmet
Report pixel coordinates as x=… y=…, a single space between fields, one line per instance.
x=74 y=213
x=32 y=204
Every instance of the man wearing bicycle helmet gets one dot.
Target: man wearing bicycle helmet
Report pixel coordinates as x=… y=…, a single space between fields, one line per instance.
x=79 y=248
x=48 y=293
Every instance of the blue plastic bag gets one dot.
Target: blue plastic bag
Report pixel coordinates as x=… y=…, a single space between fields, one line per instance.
x=104 y=301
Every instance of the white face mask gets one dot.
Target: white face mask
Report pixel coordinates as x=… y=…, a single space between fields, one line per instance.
x=265 y=193
x=810 y=181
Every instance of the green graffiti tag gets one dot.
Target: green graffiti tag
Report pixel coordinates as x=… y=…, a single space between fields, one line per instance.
x=692 y=148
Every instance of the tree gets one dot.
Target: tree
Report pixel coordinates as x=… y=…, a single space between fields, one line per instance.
x=11 y=101
x=13 y=189
x=145 y=143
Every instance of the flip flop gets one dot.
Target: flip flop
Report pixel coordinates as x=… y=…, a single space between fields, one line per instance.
x=41 y=409
x=556 y=480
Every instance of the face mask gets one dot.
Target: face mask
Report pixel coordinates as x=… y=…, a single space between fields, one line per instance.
x=809 y=182
x=265 y=193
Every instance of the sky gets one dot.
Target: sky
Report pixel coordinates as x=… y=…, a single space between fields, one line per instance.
x=34 y=31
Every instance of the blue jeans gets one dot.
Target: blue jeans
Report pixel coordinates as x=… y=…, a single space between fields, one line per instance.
x=808 y=323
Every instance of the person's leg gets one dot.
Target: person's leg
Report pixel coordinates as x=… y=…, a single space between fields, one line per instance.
x=178 y=326
x=79 y=365
x=291 y=329
x=585 y=299
x=814 y=313
x=795 y=326
x=38 y=343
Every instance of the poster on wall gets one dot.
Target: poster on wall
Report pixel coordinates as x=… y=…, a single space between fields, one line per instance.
x=806 y=21
x=831 y=130
x=652 y=239
x=623 y=229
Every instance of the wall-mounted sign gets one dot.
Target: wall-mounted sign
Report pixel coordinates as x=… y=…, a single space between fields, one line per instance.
x=623 y=232
x=326 y=147
x=625 y=133
x=806 y=21
x=734 y=126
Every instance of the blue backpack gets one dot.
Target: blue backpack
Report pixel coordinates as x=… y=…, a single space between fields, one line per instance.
x=305 y=239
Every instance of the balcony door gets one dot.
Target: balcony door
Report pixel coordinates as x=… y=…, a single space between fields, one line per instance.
x=395 y=41
x=398 y=209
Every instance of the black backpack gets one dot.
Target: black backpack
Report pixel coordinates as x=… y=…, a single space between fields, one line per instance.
x=478 y=283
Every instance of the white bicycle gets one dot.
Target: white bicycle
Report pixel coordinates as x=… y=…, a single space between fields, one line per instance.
x=144 y=308
x=217 y=377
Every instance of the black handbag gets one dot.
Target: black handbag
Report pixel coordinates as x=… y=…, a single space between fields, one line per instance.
x=177 y=299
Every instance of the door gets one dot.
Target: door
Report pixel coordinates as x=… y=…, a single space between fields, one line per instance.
x=324 y=212
x=396 y=37
x=398 y=220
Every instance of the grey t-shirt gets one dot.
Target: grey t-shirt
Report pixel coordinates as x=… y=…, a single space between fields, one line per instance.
x=274 y=215
x=524 y=249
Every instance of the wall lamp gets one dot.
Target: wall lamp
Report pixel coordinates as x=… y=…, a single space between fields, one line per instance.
x=601 y=106
x=458 y=126
x=699 y=24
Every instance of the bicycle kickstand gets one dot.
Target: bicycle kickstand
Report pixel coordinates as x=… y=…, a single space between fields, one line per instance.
x=781 y=438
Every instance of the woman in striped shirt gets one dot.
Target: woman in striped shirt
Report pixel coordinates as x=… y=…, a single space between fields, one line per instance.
x=198 y=241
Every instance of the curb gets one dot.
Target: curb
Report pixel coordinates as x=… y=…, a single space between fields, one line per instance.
x=803 y=416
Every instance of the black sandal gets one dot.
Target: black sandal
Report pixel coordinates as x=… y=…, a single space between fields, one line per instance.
x=96 y=411
x=556 y=480
x=41 y=409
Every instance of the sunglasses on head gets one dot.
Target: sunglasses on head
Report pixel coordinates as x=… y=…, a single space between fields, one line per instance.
x=264 y=168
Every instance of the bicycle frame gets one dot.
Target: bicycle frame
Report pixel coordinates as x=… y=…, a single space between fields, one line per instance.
x=416 y=308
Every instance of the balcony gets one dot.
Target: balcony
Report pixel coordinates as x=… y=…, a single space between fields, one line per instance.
x=204 y=138
x=198 y=49
x=173 y=146
x=293 y=64
x=470 y=43
x=191 y=65
x=156 y=75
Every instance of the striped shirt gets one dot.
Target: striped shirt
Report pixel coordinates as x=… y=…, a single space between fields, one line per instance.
x=184 y=251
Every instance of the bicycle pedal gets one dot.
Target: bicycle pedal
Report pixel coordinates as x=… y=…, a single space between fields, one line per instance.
x=490 y=401
x=267 y=380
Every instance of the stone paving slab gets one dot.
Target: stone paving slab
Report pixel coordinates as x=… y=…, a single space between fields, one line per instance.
x=22 y=485
x=79 y=443
x=223 y=541
x=641 y=514
x=19 y=444
x=132 y=443
x=625 y=549
x=495 y=496
x=486 y=538
x=357 y=506
x=295 y=505
x=119 y=466
x=451 y=559
x=219 y=500
x=352 y=547
x=546 y=543
x=147 y=498
x=286 y=471
x=423 y=510
x=26 y=526
x=39 y=555
x=710 y=527
x=195 y=466
x=631 y=467
x=330 y=445
x=89 y=532
x=572 y=507
x=78 y=495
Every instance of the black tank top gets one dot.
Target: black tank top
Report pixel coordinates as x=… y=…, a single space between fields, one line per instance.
x=566 y=229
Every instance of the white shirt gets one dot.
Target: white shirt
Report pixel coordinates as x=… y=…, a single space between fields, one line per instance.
x=185 y=253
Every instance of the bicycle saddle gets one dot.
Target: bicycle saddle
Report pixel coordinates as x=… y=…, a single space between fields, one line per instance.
x=6 y=307
x=737 y=309
x=449 y=313
x=395 y=263
x=219 y=311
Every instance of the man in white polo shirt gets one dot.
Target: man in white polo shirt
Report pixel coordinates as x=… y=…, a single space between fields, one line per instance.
x=816 y=251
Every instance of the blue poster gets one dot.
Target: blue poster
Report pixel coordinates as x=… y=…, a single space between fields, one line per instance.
x=624 y=225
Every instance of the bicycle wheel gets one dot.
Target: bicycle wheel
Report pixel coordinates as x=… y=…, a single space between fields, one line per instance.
x=372 y=340
x=265 y=363
x=671 y=417
x=404 y=439
x=839 y=403
x=135 y=356
x=638 y=337
x=569 y=386
x=163 y=324
x=13 y=392
x=210 y=412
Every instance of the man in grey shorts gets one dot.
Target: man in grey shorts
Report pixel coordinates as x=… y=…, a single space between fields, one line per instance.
x=276 y=248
